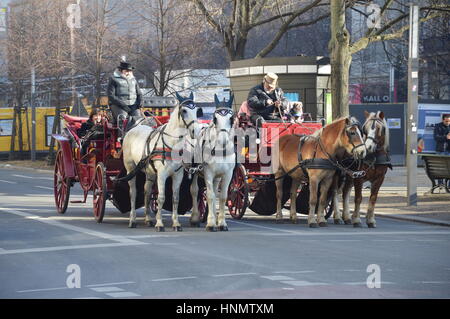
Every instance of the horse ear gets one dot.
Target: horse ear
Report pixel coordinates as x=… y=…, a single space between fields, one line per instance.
x=179 y=98
x=381 y=115
x=216 y=100
x=191 y=97
x=347 y=121
x=366 y=114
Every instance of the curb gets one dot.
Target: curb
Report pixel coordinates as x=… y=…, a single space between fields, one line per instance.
x=416 y=219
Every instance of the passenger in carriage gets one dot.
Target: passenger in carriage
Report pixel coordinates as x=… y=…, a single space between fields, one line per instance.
x=125 y=97
x=266 y=101
x=90 y=130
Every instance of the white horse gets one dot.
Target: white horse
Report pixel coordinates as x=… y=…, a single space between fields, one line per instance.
x=151 y=151
x=215 y=149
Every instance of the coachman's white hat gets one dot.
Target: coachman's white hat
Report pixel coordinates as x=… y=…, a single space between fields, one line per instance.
x=271 y=79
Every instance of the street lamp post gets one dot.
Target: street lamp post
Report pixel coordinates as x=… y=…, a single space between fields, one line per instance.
x=412 y=114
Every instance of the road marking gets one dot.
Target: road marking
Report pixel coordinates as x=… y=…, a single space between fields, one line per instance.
x=363 y=283
x=33 y=177
x=44 y=289
x=277 y=277
x=294 y=272
x=111 y=283
x=388 y=240
x=174 y=278
x=22 y=176
x=120 y=239
x=123 y=294
x=107 y=289
x=44 y=187
x=343 y=240
x=8 y=182
x=302 y=283
x=237 y=274
x=433 y=282
x=352 y=270
x=58 y=248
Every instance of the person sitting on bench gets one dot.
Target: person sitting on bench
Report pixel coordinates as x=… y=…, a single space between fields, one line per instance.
x=90 y=130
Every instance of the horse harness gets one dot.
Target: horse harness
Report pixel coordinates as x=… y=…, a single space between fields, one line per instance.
x=324 y=163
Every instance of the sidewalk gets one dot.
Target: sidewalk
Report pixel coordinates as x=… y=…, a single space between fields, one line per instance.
x=391 y=203
x=392 y=199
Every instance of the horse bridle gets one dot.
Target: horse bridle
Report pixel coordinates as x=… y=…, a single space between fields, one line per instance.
x=190 y=105
x=358 y=126
x=225 y=112
x=374 y=121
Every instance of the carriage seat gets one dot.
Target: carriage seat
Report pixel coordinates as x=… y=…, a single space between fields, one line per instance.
x=74 y=122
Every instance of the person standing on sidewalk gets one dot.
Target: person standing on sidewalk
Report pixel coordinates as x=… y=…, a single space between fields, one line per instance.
x=441 y=135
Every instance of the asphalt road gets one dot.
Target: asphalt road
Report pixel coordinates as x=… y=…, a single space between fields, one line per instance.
x=43 y=255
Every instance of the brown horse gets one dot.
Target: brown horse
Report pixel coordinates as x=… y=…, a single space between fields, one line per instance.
x=314 y=159
x=375 y=165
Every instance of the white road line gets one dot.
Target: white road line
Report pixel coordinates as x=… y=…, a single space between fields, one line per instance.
x=277 y=277
x=343 y=240
x=174 y=278
x=58 y=248
x=124 y=294
x=44 y=289
x=7 y=182
x=363 y=283
x=107 y=289
x=388 y=240
x=78 y=229
x=237 y=274
x=433 y=282
x=44 y=187
x=294 y=272
x=302 y=283
x=23 y=176
x=351 y=270
x=111 y=283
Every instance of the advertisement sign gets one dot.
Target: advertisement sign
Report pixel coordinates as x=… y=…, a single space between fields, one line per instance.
x=6 y=127
x=429 y=116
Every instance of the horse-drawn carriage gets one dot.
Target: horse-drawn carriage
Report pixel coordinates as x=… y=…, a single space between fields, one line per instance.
x=101 y=170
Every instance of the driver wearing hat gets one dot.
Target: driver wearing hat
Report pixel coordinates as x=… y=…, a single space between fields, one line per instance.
x=124 y=94
x=266 y=101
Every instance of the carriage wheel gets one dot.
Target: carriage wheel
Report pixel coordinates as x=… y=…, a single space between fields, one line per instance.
x=202 y=202
x=100 y=192
x=61 y=185
x=154 y=199
x=237 y=200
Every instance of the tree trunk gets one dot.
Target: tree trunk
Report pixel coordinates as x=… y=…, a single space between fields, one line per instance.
x=341 y=59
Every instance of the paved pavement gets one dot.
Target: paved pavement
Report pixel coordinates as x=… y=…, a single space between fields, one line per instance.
x=42 y=253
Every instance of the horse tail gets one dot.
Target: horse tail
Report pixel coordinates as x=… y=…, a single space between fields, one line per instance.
x=133 y=173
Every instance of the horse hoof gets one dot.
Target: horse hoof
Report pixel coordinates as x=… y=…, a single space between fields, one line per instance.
x=371 y=225
x=278 y=221
x=313 y=225
x=323 y=224
x=177 y=228
x=338 y=222
x=348 y=222
x=294 y=221
x=160 y=229
x=211 y=228
x=357 y=225
x=223 y=228
x=196 y=224
x=132 y=225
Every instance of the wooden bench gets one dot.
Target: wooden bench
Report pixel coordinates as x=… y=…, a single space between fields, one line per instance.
x=437 y=166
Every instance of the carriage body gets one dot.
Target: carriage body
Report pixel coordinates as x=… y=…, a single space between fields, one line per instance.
x=254 y=174
x=96 y=170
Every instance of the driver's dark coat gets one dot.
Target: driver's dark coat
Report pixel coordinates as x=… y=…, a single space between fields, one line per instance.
x=124 y=92
x=257 y=100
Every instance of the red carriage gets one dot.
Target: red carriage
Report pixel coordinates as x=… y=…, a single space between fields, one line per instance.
x=254 y=177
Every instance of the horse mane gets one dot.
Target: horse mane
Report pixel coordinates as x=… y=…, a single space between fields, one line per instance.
x=318 y=133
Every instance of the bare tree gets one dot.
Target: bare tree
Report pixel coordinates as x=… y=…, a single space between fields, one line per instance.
x=342 y=48
x=169 y=44
x=234 y=20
